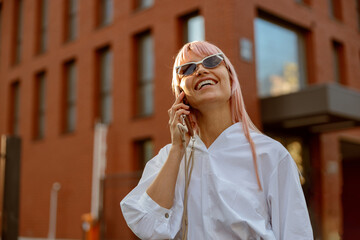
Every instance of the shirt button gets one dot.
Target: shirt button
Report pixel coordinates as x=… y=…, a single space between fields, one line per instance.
x=166 y=215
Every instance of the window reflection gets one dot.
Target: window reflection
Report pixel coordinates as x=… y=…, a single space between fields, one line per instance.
x=15 y=114
x=105 y=71
x=295 y=147
x=144 y=149
x=194 y=29
x=105 y=12
x=40 y=106
x=70 y=96
x=19 y=31
x=142 y=4
x=43 y=27
x=337 y=51
x=296 y=152
x=279 y=59
x=145 y=86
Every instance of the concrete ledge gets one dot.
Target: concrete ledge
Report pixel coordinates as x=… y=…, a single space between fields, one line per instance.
x=317 y=108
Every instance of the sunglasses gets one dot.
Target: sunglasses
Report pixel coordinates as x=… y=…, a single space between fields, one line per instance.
x=189 y=68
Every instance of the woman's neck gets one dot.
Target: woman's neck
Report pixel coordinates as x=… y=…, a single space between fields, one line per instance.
x=212 y=122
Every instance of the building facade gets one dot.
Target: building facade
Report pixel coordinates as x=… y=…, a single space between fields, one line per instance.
x=67 y=65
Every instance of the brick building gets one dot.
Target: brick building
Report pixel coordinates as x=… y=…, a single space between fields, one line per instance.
x=65 y=65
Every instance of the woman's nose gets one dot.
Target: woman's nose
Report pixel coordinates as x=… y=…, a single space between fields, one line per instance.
x=201 y=70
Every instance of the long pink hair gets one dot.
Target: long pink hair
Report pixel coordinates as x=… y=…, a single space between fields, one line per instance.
x=238 y=112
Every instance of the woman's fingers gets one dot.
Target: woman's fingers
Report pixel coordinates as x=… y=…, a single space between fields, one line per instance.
x=175 y=117
x=180 y=98
x=181 y=112
x=176 y=107
x=175 y=112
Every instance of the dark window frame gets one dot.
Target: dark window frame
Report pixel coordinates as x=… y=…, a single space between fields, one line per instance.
x=335 y=9
x=71 y=16
x=339 y=64
x=141 y=84
x=357 y=2
x=1 y=21
x=42 y=26
x=101 y=93
x=142 y=5
x=69 y=104
x=18 y=31
x=303 y=47
x=15 y=98
x=184 y=21
x=140 y=152
x=102 y=19
x=40 y=106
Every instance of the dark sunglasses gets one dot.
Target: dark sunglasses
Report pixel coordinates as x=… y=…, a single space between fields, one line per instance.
x=189 y=68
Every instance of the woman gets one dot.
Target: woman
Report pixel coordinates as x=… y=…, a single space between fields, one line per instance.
x=232 y=182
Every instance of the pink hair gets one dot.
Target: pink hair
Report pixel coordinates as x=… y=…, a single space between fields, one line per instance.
x=237 y=106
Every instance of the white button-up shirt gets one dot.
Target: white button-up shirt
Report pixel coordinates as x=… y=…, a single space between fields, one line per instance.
x=224 y=198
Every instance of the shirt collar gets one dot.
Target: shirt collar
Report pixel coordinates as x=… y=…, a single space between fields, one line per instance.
x=223 y=140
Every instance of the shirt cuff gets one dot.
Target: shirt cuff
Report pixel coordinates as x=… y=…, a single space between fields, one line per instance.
x=153 y=208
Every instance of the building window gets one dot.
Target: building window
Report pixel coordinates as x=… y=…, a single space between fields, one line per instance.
x=145 y=74
x=71 y=14
x=142 y=4
x=42 y=26
x=338 y=62
x=18 y=38
x=358 y=13
x=144 y=151
x=193 y=27
x=303 y=1
x=104 y=12
x=335 y=9
x=280 y=58
x=39 y=128
x=15 y=108
x=105 y=80
x=69 y=97
x=0 y=29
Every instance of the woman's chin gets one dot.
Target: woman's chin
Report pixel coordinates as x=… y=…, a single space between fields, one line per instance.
x=210 y=102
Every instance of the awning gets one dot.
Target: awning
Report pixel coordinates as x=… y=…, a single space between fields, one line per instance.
x=317 y=108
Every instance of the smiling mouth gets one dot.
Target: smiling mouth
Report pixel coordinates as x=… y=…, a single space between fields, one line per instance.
x=207 y=82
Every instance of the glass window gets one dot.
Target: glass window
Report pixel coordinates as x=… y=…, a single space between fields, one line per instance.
x=299 y=152
x=19 y=14
x=280 y=59
x=70 y=96
x=105 y=12
x=141 y=4
x=72 y=19
x=335 y=9
x=15 y=108
x=358 y=13
x=303 y=1
x=144 y=151
x=194 y=29
x=43 y=26
x=145 y=86
x=0 y=29
x=338 y=61
x=105 y=80
x=40 y=106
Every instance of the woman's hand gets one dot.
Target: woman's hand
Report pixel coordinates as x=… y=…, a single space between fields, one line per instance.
x=162 y=189
x=175 y=112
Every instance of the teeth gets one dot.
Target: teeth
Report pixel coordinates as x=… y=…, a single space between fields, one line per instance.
x=201 y=84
